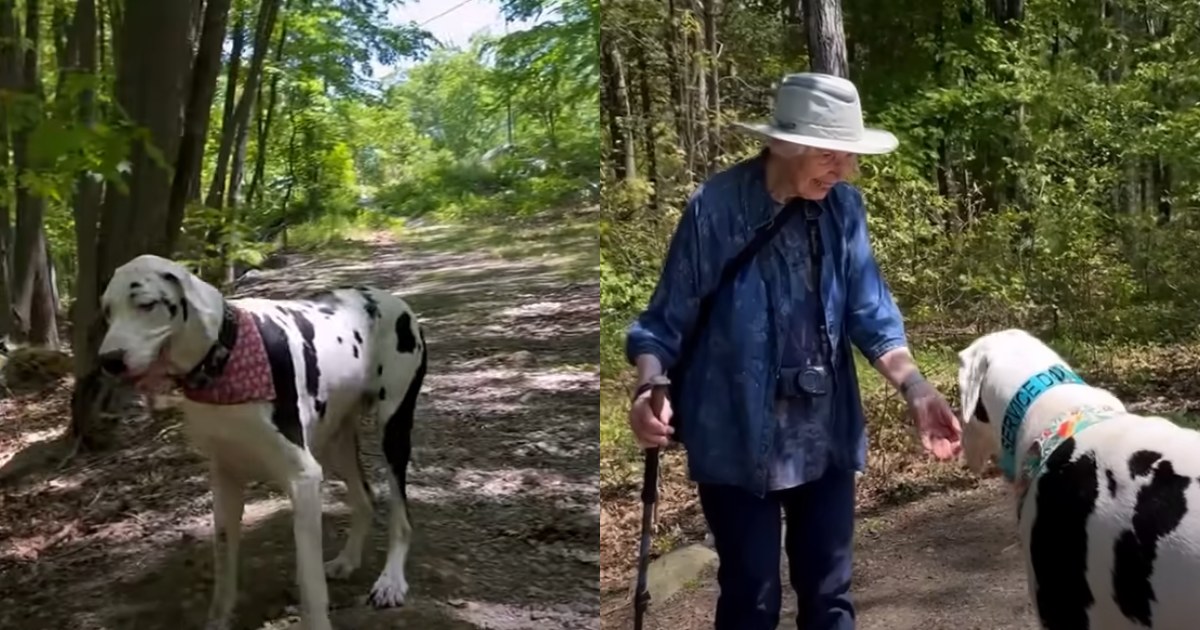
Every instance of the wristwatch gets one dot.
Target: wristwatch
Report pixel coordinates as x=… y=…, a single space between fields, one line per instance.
x=642 y=389
x=913 y=379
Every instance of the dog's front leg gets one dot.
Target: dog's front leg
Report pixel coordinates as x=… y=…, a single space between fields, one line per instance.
x=310 y=568
x=228 y=504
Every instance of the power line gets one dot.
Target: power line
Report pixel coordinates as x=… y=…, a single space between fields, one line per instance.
x=445 y=13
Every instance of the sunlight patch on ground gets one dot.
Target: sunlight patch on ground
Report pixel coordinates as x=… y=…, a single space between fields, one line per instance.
x=504 y=383
x=10 y=448
x=504 y=482
x=499 y=616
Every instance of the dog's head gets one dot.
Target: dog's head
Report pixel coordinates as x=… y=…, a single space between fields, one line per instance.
x=161 y=318
x=981 y=436
x=981 y=424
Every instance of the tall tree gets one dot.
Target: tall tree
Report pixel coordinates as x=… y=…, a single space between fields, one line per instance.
x=205 y=70
x=826 y=37
x=33 y=296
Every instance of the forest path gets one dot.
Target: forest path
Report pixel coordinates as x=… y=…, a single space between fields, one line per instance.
x=503 y=483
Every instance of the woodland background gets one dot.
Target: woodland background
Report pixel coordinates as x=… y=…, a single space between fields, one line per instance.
x=1046 y=178
x=219 y=131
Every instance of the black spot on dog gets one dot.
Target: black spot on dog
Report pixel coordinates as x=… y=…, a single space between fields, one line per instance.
x=405 y=342
x=339 y=339
x=170 y=277
x=1141 y=462
x=370 y=305
x=981 y=414
x=321 y=406
x=379 y=370
x=397 y=433
x=357 y=337
x=283 y=310
x=1112 y=482
x=327 y=310
x=1066 y=495
x=286 y=415
x=172 y=308
x=312 y=371
x=135 y=285
x=1160 y=508
x=355 y=351
x=183 y=307
x=382 y=393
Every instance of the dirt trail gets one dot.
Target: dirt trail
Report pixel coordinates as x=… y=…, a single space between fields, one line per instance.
x=945 y=562
x=503 y=482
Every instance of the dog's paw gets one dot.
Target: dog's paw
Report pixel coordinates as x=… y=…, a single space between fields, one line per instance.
x=340 y=568
x=388 y=592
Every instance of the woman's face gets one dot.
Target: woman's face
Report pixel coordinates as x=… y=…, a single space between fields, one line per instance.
x=813 y=171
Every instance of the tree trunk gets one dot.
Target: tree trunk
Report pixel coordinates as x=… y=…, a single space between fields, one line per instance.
x=43 y=308
x=675 y=73
x=10 y=80
x=87 y=207
x=153 y=56
x=195 y=130
x=648 y=118
x=216 y=189
x=154 y=59
x=714 y=85
x=624 y=114
x=264 y=127
x=267 y=14
x=29 y=251
x=610 y=101
x=699 y=105
x=826 y=39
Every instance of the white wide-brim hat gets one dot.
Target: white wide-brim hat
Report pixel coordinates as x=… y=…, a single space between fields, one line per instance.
x=822 y=111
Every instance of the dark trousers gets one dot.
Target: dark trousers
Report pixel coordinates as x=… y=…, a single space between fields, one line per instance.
x=819 y=544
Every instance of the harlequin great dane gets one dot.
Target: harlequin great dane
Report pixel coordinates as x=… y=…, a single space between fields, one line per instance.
x=272 y=390
x=1103 y=495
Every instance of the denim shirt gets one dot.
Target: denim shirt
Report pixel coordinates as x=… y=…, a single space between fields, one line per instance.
x=728 y=410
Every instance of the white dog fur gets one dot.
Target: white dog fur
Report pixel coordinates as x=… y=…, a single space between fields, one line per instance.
x=368 y=353
x=1107 y=534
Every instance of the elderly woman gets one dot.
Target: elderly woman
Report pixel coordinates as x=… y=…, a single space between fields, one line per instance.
x=768 y=402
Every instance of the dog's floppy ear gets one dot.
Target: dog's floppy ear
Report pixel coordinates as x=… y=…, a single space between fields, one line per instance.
x=200 y=299
x=972 y=367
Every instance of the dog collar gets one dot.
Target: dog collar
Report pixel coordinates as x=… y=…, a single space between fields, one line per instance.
x=1065 y=426
x=1014 y=414
x=213 y=364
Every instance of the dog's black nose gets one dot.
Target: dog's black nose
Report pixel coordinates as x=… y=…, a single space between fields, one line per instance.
x=113 y=362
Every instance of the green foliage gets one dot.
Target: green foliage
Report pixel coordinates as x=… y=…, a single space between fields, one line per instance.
x=440 y=139
x=1046 y=176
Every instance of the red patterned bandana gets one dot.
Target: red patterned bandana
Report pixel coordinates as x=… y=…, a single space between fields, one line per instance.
x=247 y=375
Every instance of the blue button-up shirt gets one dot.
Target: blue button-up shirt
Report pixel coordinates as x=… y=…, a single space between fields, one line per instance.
x=728 y=413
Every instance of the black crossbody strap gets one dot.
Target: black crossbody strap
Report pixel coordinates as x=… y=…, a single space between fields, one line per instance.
x=816 y=253
x=762 y=236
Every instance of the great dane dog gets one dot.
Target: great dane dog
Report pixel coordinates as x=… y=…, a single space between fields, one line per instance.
x=273 y=390
x=1103 y=495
